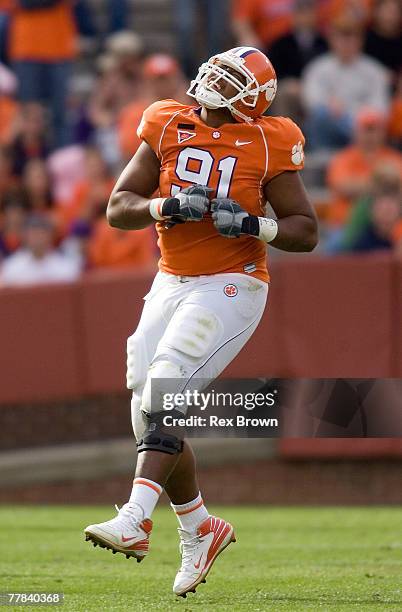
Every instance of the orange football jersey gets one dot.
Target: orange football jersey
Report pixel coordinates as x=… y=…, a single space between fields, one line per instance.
x=235 y=160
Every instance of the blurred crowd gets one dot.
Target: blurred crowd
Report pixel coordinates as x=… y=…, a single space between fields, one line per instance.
x=72 y=95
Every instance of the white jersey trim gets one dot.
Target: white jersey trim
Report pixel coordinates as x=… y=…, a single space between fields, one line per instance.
x=163 y=133
x=266 y=152
x=266 y=167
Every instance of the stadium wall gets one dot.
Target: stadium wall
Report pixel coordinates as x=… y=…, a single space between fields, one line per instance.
x=338 y=317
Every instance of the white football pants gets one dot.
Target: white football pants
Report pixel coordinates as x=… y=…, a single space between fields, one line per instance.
x=191 y=328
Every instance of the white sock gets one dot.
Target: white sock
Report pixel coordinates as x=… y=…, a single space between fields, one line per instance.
x=191 y=514
x=145 y=494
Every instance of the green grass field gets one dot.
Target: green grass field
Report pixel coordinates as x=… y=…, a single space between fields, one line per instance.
x=284 y=559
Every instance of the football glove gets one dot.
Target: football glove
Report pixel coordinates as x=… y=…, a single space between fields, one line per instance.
x=228 y=217
x=231 y=221
x=190 y=204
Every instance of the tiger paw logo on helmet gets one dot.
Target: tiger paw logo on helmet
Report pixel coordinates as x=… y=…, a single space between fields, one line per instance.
x=271 y=89
x=297 y=154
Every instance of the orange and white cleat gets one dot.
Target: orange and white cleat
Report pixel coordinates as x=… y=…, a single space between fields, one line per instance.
x=200 y=551
x=125 y=534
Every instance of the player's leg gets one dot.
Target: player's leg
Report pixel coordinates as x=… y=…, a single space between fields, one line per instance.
x=182 y=485
x=196 y=339
x=203 y=537
x=185 y=343
x=191 y=333
x=159 y=468
x=129 y=531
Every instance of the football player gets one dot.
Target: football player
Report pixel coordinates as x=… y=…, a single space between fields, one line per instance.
x=215 y=164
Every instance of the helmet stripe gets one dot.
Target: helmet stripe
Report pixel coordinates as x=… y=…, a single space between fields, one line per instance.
x=243 y=51
x=247 y=53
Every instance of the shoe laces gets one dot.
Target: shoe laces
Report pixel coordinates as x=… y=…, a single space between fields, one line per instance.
x=126 y=517
x=188 y=546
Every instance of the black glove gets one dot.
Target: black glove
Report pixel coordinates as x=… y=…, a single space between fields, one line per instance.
x=190 y=204
x=231 y=220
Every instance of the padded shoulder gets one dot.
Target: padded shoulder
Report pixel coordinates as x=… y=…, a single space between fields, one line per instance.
x=285 y=142
x=154 y=121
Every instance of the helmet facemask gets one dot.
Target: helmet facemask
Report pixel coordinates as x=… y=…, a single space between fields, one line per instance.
x=247 y=90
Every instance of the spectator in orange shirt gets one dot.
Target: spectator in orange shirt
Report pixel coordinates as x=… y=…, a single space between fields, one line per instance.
x=258 y=23
x=90 y=195
x=331 y=10
x=161 y=79
x=351 y=169
x=8 y=115
x=113 y=248
x=42 y=45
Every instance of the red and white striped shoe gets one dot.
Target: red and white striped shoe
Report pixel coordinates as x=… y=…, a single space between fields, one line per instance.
x=200 y=551
x=125 y=533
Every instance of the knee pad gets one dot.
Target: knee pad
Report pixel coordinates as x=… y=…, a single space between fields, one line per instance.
x=150 y=432
x=137 y=361
x=159 y=437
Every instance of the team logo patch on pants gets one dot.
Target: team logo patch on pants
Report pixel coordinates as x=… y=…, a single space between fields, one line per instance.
x=230 y=290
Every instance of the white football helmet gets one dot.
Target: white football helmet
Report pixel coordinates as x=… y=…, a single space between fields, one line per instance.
x=254 y=92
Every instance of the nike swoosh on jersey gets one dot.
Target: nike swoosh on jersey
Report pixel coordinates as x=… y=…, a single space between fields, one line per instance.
x=239 y=143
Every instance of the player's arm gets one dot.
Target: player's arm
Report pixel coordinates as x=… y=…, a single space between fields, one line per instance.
x=130 y=206
x=295 y=228
x=129 y=203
